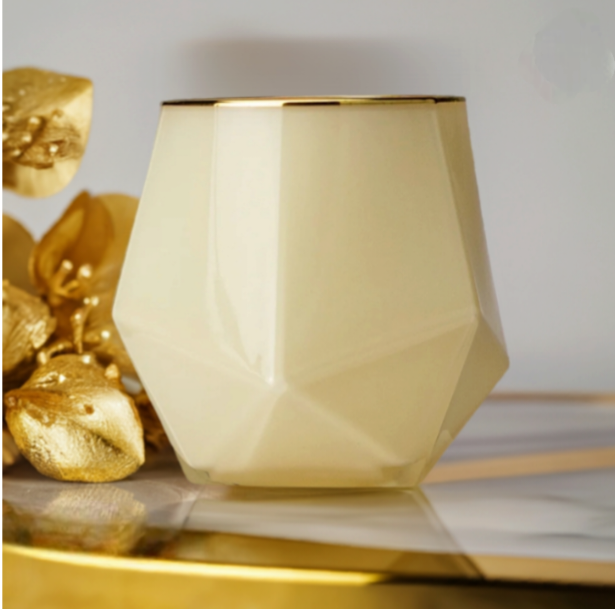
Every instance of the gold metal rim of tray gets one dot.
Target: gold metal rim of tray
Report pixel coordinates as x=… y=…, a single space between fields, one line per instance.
x=36 y=578
x=159 y=582
x=406 y=567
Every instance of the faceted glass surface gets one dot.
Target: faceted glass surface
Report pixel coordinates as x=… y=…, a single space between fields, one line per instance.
x=307 y=295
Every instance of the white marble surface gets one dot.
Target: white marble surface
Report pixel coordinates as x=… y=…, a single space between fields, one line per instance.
x=518 y=427
x=566 y=516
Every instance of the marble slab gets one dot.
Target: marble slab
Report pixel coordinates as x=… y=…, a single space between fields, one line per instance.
x=502 y=428
x=565 y=516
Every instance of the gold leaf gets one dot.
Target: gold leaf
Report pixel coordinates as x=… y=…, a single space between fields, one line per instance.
x=26 y=326
x=46 y=120
x=73 y=421
x=17 y=244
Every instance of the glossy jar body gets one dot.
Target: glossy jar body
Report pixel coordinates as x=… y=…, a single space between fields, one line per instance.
x=307 y=295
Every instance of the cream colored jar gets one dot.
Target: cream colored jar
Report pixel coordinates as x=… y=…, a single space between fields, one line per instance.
x=307 y=295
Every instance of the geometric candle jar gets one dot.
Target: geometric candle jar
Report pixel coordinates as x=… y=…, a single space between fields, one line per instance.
x=307 y=295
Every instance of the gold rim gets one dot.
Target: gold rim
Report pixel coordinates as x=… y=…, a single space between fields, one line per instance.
x=350 y=100
x=552 y=396
x=203 y=569
x=489 y=568
x=528 y=464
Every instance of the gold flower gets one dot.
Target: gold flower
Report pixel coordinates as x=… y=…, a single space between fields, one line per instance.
x=72 y=418
x=73 y=421
x=80 y=258
x=46 y=120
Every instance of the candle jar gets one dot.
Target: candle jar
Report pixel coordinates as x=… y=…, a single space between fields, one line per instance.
x=307 y=295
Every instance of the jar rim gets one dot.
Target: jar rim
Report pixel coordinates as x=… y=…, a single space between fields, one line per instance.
x=325 y=100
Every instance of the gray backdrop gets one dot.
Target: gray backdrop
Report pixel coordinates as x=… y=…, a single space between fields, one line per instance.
x=538 y=76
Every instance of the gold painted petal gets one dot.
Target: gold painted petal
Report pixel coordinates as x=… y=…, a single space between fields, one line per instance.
x=101 y=334
x=46 y=120
x=81 y=236
x=27 y=324
x=72 y=421
x=106 y=273
x=17 y=244
x=122 y=210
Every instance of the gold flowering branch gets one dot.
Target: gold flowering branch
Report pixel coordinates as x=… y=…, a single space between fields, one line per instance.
x=66 y=408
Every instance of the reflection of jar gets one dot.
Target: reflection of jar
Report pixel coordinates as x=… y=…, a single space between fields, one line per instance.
x=307 y=296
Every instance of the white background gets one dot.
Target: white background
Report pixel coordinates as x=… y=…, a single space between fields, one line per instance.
x=541 y=100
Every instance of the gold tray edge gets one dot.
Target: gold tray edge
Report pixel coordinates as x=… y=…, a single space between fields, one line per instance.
x=201 y=569
x=493 y=568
